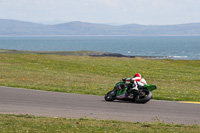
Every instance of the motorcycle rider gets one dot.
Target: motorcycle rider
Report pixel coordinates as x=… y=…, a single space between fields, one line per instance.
x=134 y=83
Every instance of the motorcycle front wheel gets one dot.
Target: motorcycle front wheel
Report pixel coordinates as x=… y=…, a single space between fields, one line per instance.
x=110 y=96
x=144 y=96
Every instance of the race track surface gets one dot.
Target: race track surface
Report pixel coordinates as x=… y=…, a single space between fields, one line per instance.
x=55 y=104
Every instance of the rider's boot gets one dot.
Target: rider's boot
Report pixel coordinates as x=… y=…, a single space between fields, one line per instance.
x=129 y=93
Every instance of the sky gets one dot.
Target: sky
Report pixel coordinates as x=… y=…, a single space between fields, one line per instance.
x=145 y=12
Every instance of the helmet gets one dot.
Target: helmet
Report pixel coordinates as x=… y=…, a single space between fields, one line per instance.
x=137 y=75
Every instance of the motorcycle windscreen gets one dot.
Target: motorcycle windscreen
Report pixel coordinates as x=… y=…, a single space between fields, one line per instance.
x=150 y=87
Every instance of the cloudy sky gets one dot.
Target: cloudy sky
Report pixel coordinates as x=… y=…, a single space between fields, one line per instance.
x=147 y=12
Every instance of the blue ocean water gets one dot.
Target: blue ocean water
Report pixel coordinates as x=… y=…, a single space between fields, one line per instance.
x=175 y=47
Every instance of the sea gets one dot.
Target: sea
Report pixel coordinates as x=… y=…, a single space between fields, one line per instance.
x=173 y=47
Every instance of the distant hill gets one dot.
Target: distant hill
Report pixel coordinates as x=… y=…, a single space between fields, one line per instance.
x=21 y=28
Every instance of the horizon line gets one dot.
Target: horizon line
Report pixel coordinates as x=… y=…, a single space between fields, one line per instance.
x=99 y=23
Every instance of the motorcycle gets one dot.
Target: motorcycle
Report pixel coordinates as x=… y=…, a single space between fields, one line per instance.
x=123 y=91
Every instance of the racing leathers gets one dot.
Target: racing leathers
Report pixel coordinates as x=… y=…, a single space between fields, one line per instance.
x=131 y=85
x=136 y=82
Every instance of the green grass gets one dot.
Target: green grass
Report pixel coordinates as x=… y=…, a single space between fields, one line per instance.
x=176 y=79
x=33 y=124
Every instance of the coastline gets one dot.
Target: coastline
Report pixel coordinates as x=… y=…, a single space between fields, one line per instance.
x=176 y=48
x=79 y=53
x=121 y=55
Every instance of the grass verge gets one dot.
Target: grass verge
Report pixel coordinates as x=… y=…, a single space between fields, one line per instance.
x=27 y=123
x=176 y=79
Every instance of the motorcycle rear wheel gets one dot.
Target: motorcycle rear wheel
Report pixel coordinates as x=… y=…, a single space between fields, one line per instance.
x=109 y=96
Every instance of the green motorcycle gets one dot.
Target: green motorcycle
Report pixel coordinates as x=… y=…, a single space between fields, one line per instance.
x=123 y=91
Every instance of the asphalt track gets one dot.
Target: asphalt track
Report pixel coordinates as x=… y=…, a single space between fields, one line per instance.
x=55 y=104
